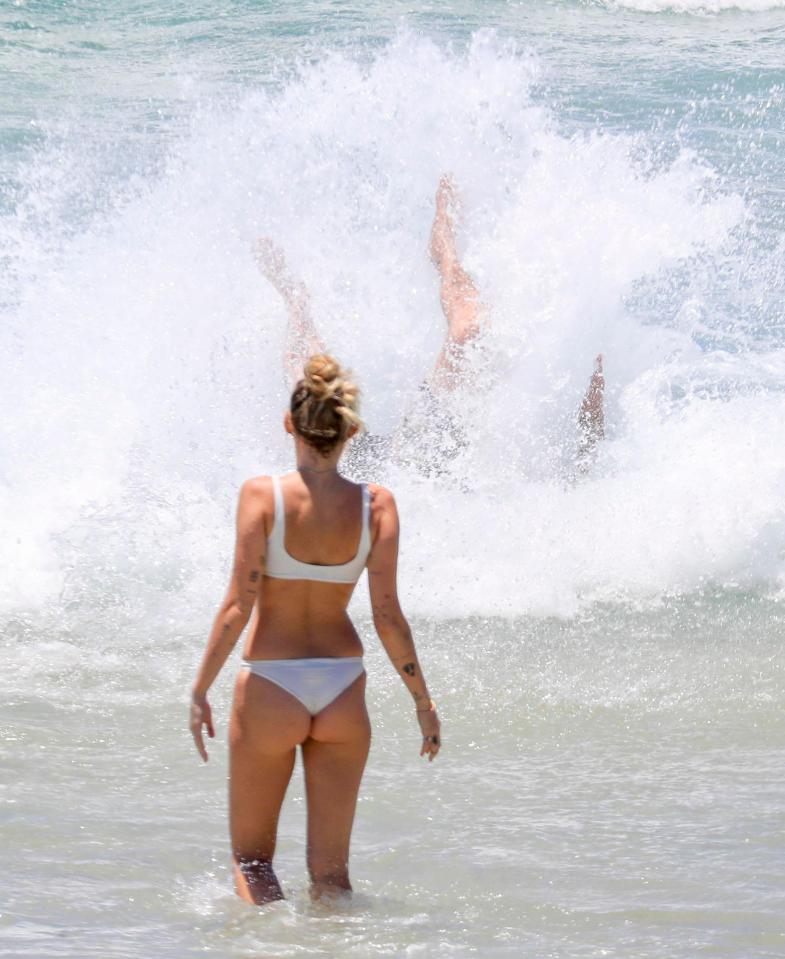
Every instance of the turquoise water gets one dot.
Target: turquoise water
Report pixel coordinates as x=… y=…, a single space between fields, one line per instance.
x=606 y=653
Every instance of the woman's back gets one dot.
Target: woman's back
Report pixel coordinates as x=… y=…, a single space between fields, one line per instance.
x=318 y=540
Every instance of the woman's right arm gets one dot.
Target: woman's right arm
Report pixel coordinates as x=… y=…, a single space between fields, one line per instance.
x=391 y=624
x=235 y=611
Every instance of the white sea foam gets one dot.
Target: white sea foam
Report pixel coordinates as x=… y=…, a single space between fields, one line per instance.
x=145 y=382
x=693 y=6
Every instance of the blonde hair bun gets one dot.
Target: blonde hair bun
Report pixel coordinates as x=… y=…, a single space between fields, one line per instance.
x=321 y=374
x=325 y=403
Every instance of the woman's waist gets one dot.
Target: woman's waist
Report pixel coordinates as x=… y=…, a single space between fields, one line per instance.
x=286 y=644
x=303 y=661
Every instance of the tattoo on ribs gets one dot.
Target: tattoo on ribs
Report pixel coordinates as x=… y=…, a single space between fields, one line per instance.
x=409 y=669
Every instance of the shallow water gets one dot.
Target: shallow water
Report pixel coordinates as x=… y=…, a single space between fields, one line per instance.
x=606 y=653
x=609 y=783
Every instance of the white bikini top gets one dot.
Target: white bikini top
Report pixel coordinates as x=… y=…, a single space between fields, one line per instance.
x=280 y=565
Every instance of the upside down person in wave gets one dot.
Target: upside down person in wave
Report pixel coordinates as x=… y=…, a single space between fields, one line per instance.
x=467 y=320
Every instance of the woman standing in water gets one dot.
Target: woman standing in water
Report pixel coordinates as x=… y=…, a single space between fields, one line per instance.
x=302 y=542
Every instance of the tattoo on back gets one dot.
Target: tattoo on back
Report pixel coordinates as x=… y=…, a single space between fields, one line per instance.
x=409 y=669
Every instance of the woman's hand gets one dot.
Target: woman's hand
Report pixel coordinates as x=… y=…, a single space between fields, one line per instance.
x=201 y=715
x=431 y=731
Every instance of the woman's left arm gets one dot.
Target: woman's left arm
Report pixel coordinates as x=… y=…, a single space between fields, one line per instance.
x=247 y=573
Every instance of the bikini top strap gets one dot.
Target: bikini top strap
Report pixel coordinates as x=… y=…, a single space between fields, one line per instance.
x=365 y=536
x=279 y=516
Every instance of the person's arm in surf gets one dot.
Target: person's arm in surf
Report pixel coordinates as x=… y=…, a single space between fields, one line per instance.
x=391 y=624
x=237 y=606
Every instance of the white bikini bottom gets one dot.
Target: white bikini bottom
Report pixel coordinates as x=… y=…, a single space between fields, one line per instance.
x=315 y=682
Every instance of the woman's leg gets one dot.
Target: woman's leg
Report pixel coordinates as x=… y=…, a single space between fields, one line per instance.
x=334 y=758
x=267 y=724
x=591 y=417
x=302 y=338
x=465 y=315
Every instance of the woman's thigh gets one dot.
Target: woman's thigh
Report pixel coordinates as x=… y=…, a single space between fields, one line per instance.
x=334 y=758
x=266 y=726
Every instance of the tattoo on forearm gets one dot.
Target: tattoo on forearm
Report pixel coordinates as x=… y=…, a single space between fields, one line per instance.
x=409 y=669
x=254 y=575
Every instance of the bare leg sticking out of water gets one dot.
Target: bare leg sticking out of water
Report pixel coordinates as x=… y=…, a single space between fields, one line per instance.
x=591 y=417
x=302 y=338
x=465 y=315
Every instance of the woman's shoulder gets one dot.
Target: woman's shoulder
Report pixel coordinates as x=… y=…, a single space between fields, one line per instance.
x=256 y=486
x=381 y=497
x=255 y=507
x=256 y=494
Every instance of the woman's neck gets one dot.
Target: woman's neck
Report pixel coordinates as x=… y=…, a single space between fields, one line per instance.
x=311 y=463
x=303 y=468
